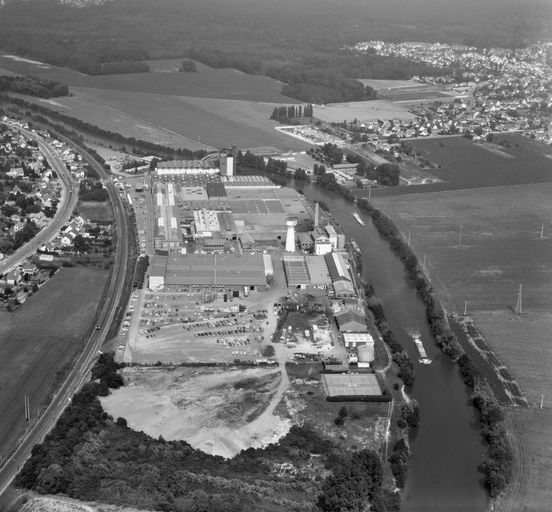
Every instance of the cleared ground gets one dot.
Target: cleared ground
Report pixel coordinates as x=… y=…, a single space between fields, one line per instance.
x=216 y=410
x=41 y=338
x=501 y=247
x=361 y=110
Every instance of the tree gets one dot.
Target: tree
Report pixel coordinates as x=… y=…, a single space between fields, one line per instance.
x=80 y=244
x=388 y=174
x=188 y=66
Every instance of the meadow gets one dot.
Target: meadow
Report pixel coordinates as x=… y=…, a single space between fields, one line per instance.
x=501 y=247
x=39 y=340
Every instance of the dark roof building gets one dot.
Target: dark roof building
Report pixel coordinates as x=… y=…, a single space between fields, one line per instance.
x=351 y=321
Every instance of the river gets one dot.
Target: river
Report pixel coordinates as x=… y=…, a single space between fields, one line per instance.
x=447 y=447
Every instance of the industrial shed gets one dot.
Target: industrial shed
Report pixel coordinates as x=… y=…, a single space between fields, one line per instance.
x=221 y=271
x=347 y=386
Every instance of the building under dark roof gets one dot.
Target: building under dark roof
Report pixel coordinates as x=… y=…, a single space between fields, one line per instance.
x=215 y=190
x=351 y=321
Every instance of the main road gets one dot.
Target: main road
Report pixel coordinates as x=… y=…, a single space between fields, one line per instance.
x=80 y=372
x=65 y=207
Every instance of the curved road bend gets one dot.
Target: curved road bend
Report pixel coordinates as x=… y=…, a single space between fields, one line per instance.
x=79 y=374
x=65 y=208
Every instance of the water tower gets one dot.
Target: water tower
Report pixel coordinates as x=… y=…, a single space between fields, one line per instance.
x=290 y=237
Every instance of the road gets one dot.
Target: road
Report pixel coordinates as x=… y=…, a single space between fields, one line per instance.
x=65 y=208
x=80 y=372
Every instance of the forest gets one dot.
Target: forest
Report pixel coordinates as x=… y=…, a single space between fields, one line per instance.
x=303 y=44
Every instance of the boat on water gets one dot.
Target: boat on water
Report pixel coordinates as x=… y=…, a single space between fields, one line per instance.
x=355 y=246
x=421 y=350
x=358 y=219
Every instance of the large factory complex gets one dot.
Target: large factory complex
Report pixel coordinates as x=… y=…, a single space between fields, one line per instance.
x=231 y=235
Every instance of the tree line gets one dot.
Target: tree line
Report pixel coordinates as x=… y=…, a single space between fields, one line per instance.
x=32 y=86
x=291 y=114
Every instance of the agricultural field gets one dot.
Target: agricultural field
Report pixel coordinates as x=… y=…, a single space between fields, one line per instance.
x=466 y=164
x=41 y=338
x=178 y=121
x=164 y=79
x=501 y=247
x=219 y=411
x=361 y=110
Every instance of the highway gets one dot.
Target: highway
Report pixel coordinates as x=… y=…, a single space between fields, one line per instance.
x=65 y=207
x=80 y=372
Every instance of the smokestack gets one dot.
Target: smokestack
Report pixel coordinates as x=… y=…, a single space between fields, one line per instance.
x=316 y=214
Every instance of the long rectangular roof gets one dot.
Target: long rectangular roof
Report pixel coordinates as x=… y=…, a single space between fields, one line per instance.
x=209 y=269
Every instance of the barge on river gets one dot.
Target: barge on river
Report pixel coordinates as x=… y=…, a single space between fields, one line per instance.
x=421 y=350
x=358 y=219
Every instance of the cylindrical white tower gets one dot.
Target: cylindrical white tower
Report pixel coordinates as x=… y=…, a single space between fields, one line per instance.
x=290 y=237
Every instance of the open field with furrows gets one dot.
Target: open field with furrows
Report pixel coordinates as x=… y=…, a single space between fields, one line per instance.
x=219 y=411
x=40 y=339
x=466 y=164
x=501 y=248
x=164 y=78
x=361 y=110
x=177 y=121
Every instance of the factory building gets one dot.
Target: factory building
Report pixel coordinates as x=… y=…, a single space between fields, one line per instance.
x=183 y=167
x=229 y=271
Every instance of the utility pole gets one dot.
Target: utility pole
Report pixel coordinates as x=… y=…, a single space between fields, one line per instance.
x=27 y=409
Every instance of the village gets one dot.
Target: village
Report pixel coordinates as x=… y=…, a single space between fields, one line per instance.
x=31 y=192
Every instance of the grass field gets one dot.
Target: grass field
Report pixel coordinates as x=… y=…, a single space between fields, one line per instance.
x=40 y=338
x=95 y=211
x=361 y=110
x=500 y=248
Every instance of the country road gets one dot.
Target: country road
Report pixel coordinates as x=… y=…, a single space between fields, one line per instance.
x=66 y=205
x=79 y=374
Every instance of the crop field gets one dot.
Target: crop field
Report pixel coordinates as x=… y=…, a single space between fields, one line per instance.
x=361 y=110
x=219 y=411
x=469 y=165
x=501 y=247
x=41 y=338
x=165 y=79
x=177 y=121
